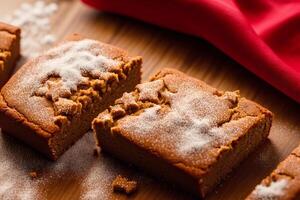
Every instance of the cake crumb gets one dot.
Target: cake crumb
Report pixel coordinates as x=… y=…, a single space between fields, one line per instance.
x=33 y=175
x=96 y=152
x=123 y=185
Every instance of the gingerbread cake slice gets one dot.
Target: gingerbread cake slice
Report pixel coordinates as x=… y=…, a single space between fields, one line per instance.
x=9 y=50
x=51 y=101
x=283 y=183
x=182 y=130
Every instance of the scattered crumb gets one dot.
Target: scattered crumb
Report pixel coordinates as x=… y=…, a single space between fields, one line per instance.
x=33 y=174
x=123 y=185
x=96 y=152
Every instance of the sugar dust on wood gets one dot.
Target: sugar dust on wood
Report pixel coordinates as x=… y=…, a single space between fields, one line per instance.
x=26 y=175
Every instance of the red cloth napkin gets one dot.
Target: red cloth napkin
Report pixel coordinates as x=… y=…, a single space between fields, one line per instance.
x=262 y=35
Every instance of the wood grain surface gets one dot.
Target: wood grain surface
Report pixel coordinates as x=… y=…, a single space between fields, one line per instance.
x=163 y=48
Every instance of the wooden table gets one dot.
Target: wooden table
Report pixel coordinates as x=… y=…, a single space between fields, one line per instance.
x=162 y=48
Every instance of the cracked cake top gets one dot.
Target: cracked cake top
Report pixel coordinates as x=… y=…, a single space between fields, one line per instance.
x=57 y=85
x=181 y=119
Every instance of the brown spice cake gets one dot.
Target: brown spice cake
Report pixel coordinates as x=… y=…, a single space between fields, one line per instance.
x=181 y=129
x=283 y=183
x=51 y=101
x=9 y=50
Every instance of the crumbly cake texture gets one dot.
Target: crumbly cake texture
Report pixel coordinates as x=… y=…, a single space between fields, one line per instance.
x=51 y=101
x=9 y=50
x=283 y=183
x=180 y=129
x=123 y=185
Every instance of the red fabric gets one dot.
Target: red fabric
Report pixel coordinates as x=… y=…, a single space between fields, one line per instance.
x=262 y=35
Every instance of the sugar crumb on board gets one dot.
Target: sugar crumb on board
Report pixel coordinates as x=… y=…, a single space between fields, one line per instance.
x=21 y=167
x=96 y=152
x=123 y=185
x=33 y=174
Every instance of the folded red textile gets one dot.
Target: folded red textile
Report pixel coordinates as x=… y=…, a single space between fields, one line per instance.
x=262 y=35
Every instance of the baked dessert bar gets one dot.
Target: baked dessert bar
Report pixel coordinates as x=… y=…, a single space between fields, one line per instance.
x=51 y=101
x=9 y=50
x=180 y=129
x=283 y=183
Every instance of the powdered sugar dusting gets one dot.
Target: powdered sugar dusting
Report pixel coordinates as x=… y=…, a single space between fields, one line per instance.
x=190 y=122
x=73 y=62
x=92 y=174
x=97 y=182
x=150 y=90
x=35 y=21
x=70 y=60
x=148 y=117
x=190 y=138
x=274 y=190
x=15 y=182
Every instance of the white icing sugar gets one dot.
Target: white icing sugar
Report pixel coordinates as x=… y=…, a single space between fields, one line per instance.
x=17 y=161
x=274 y=190
x=148 y=117
x=192 y=138
x=97 y=182
x=71 y=59
x=189 y=122
x=197 y=131
x=34 y=20
x=15 y=182
x=150 y=90
x=48 y=39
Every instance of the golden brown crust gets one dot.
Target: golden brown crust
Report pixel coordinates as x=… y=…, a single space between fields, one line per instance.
x=9 y=50
x=49 y=109
x=167 y=112
x=20 y=127
x=287 y=173
x=11 y=113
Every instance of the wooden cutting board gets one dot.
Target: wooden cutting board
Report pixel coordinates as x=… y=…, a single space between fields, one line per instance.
x=78 y=174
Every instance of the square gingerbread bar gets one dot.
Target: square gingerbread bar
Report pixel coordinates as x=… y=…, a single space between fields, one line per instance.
x=181 y=129
x=51 y=101
x=283 y=183
x=9 y=50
